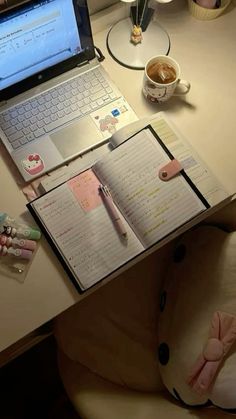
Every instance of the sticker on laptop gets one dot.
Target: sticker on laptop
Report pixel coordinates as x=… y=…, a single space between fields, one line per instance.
x=108 y=124
x=33 y=164
x=113 y=116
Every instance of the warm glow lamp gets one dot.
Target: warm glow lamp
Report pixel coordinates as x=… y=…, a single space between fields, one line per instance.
x=134 y=40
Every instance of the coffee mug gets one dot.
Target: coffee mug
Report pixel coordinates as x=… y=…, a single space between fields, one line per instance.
x=162 y=79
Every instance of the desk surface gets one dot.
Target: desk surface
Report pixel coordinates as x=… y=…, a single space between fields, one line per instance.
x=206 y=116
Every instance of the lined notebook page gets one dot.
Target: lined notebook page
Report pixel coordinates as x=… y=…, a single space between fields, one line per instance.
x=87 y=238
x=153 y=208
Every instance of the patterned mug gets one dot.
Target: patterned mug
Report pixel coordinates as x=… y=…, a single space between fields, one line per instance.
x=159 y=90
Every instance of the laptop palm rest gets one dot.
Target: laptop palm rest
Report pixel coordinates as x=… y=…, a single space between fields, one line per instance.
x=76 y=137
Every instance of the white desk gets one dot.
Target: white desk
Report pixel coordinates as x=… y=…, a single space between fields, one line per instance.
x=206 y=117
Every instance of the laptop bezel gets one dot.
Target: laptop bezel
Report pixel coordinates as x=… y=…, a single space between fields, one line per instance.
x=80 y=8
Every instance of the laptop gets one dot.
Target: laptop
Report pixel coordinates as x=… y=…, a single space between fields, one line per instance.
x=56 y=100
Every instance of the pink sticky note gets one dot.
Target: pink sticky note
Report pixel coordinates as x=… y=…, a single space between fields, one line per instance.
x=85 y=188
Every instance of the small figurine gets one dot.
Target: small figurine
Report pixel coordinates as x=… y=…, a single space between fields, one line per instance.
x=136 y=35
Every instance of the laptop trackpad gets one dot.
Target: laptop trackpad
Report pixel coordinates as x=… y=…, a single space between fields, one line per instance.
x=77 y=137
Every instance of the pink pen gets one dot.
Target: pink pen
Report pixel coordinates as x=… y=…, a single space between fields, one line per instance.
x=15 y=242
x=112 y=210
x=21 y=253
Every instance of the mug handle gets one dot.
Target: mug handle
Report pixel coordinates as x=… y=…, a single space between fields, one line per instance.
x=180 y=91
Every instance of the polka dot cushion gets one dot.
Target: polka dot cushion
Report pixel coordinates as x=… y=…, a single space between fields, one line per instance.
x=197 y=324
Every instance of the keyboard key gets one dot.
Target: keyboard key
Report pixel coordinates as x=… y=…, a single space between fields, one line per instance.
x=23 y=140
x=30 y=137
x=42 y=108
x=33 y=119
x=60 y=106
x=13 y=114
x=15 y=136
x=27 y=107
x=6 y=117
x=41 y=100
x=28 y=115
x=39 y=132
x=54 y=117
x=85 y=109
x=16 y=144
x=40 y=124
x=26 y=123
x=33 y=127
x=55 y=94
x=74 y=107
x=47 y=113
x=26 y=131
x=34 y=104
x=67 y=111
x=47 y=120
x=19 y=126
x=10 y=131
x=5 y=125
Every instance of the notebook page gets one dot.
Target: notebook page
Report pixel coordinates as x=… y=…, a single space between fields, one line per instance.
x=207 y=182
x=84 y=234
x=153 y=208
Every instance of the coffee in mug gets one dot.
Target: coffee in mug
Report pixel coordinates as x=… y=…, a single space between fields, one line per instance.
x=161 y=79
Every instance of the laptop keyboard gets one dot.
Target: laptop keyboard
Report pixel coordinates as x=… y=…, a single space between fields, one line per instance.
x=42 y=114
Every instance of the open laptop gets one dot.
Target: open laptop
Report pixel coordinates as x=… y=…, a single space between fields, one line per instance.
x=56 y=100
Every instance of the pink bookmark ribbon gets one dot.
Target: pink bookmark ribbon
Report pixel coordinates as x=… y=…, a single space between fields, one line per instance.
x=222 y=335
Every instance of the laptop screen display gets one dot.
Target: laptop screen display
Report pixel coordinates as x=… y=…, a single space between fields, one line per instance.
x=39 y=37
x=36 y=37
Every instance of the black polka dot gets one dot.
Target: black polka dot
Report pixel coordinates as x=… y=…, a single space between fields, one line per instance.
x=163 y=353
x=179 y=253
x=163 y=300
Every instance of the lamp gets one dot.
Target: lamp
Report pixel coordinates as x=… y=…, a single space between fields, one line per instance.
x=151 y=38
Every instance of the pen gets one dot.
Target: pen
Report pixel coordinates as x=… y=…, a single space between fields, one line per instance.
x=112 y=210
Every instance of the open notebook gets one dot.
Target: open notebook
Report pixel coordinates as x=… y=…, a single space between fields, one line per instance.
x=79 y=227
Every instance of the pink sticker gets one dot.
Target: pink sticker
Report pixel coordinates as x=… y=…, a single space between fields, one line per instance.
x=108 y=124
x=85 y=188
x=33 y=164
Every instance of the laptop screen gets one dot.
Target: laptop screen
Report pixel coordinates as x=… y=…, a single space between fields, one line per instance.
x=41 y=35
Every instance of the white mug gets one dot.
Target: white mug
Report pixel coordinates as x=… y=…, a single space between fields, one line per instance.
x=161 y=92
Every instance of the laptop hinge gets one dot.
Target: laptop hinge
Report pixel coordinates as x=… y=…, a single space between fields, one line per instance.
x=83 y=63
x=99 y=54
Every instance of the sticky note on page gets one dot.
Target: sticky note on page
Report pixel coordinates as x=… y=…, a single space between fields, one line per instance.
x=85 y=188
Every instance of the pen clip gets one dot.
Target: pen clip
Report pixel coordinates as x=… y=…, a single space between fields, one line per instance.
x=105 y=190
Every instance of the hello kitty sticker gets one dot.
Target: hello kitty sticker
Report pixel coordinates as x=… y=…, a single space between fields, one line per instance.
x=33 y=164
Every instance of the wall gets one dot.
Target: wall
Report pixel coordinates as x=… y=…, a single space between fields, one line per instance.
x=96 y=5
